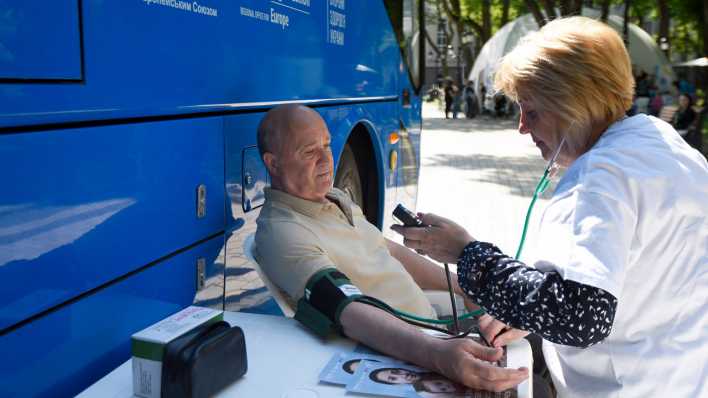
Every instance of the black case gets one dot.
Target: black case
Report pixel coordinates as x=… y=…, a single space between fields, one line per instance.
x=203 y=361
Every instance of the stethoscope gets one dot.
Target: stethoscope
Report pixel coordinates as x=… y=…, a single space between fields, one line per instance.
x=541 y=187
x=548 y=173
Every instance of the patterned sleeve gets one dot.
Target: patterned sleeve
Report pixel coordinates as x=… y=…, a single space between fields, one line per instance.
x=561 y=311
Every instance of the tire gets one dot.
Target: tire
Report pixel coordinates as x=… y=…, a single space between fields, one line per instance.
x=347 y=177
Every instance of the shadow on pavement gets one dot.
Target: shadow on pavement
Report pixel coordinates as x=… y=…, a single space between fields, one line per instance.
x=519 y=174
x=480 y=123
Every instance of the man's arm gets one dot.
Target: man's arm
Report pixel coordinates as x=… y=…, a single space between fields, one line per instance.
x=427 y=274
x=462 y=360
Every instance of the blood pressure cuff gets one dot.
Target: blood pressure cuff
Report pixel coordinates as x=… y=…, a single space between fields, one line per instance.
x=203 y=361
x=327 y=292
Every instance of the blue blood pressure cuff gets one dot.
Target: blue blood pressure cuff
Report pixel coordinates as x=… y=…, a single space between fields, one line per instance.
x=326 y=294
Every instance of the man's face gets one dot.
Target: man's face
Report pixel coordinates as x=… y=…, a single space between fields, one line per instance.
x=398 y=376
x=304 y=160
x=440 y=386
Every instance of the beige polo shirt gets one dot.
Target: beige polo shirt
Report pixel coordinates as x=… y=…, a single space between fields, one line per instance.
x=296 y=238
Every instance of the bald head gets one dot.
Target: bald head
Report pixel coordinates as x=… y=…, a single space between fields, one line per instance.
x=294 y=143
x=280 y=122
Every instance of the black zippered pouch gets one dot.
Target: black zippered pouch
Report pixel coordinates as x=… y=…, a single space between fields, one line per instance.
x=203 y=361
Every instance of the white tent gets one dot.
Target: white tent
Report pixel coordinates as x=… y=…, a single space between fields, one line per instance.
x=643 y=51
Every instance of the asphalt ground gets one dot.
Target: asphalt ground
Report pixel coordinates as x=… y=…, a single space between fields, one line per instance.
x=481 y=173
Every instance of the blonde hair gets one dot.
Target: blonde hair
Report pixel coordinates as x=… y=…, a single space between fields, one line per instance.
x=576 y=68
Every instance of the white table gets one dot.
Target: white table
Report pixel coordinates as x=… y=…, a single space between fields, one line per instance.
x=284 y=360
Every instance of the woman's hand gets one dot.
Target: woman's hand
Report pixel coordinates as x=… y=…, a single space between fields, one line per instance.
x=497 y=333
x=441 y=240
x=470 y=305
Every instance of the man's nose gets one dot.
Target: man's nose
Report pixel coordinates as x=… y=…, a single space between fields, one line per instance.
x=323 y=155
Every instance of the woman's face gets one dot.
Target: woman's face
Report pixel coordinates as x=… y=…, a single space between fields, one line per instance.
x=543 y=128
x=350 y=366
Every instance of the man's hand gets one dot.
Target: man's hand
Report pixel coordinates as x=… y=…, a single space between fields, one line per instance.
x=442 y=239
x=469 y=363
x=461 y=360
x=497 y=333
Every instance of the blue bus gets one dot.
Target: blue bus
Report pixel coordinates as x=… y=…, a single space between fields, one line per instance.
x=130 y=173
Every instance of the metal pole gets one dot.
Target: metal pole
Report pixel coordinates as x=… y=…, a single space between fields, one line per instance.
x=456 y=325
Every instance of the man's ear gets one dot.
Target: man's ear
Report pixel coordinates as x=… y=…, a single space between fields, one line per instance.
x=271 y=163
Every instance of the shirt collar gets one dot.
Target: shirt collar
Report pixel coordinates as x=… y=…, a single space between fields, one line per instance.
x=309 y=208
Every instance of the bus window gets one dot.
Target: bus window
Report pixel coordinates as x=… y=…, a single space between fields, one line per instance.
x=406 y=19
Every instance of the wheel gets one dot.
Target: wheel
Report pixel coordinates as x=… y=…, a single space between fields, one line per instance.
x=347 y=177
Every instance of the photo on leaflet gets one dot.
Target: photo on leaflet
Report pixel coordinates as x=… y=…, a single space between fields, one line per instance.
x=341 y=367
x=409 y=381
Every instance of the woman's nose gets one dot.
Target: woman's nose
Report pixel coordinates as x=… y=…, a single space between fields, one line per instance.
x=523 y=125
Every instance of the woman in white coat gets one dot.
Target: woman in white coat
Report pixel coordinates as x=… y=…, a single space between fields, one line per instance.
x=619 y=292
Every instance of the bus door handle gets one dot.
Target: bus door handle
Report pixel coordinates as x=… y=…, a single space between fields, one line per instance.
x=406 y=98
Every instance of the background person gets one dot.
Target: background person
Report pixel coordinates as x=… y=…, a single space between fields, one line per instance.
x=655 y=102
x=457 y=103
x=450 y=92
x=623 y=242
x=470 y=100
x=685 y=115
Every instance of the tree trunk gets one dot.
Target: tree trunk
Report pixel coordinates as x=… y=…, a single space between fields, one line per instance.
x=605 y=7
x=705 y=29
x=431 y=42
x=536 y=12
x=452 y=10
x=505 y=12
x=577 y=7
x=640 y=20
x=486 y=20
x=625 y=28
x=565 y=7
x=550 y=8
x=461 y=62
x=664 y=19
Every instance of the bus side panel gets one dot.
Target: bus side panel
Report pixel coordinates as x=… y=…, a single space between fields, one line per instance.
x=65 y=351
x=80 y=207
x=246 y=177
x=147 y=59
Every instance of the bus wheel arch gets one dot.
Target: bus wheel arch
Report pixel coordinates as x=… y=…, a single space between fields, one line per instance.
x=357 y=173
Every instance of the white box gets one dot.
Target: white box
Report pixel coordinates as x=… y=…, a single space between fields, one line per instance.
x=148 y=346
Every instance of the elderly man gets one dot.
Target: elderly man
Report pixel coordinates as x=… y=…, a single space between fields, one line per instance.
x=306 y=229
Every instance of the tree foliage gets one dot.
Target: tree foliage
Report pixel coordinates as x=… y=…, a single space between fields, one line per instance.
x=682 y=22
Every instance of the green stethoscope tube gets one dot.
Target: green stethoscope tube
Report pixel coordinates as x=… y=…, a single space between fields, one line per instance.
x=439 y=321
x=540 y=189
x=408 y=316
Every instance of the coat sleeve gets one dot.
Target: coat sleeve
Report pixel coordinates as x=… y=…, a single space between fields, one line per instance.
x=561 y=311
